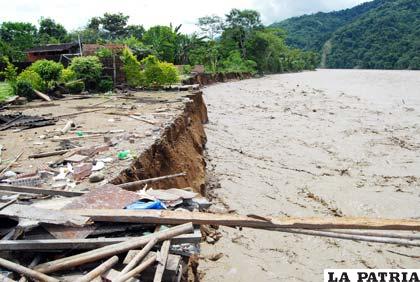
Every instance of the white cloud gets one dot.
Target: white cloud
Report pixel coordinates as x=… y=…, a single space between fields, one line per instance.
x=74 y=14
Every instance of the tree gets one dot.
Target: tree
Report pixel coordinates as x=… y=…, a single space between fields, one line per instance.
x=240 y=24
x=162 y=39
x=114 y=24
x=49 y=30
x=211 y=26
x=19 y=36
x=136 y=31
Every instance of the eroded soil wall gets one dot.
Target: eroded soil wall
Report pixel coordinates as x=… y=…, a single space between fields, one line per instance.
x=180 y=149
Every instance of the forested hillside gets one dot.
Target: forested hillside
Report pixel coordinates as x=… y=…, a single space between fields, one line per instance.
x=310 y=32
x=382 y=34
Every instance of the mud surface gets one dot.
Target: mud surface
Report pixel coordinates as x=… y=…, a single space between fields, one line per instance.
x=324 y=143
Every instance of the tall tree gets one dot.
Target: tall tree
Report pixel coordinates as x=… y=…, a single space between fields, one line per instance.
x=211 y=26
x=20 y=36
x=240 y=25
x=114 y=24
x=162 y=39
x=49 y=31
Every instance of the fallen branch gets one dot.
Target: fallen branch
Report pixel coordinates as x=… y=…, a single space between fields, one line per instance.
x=78 y=113
x=94 y=255
x=179 y=217
x=134 y=185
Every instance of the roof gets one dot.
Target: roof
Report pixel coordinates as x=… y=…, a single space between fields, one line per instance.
x=90 y=49
x=53 y=47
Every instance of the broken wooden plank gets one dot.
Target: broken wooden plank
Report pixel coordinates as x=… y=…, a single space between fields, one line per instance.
x=26 y=271
x=104 y=267
x=41 y=191
x=33 y=214
x=104 y=252
x=135 y=184
x=77 y=113
x=82 y=244
x=113 y=274
x=162 y=259
x=179 y=217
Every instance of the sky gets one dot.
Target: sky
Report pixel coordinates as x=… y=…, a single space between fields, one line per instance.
x=74 y=14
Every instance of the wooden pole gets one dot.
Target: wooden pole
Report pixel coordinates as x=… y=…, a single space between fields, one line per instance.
x=164 y=252
x=10 y=164
x=377 y=234
x=137 y=270
x=351 y=237
x=139 y=256
x=26 y=271
x=179 y=217
x=134 y=185
x=42 y=95
x=99 y=270
x=107 y=251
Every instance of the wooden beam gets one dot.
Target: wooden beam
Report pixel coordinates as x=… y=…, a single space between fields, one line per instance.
x=251 y=221
x=48 y=154
x=82 y=244
x=107 y=251
x=41 y=191
x=163 y=258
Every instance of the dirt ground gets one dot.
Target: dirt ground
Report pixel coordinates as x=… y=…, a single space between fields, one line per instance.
x=154 y=109
x=324 y=143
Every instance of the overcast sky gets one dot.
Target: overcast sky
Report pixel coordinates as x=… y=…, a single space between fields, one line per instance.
x=75 y=13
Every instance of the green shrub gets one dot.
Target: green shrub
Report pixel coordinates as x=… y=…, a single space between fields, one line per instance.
x=186 y=69
x=106 y=85
x=75 y=87
x=67 y=75
x=158 y=73
x=132 y=69
x=88 y=69
x=27 y=81
x=235 y=63
x=103 y=52
x=48 y=70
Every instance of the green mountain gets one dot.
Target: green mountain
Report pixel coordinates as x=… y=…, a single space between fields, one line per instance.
x=382 y=34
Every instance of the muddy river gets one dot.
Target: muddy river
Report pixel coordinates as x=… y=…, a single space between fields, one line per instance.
x=325 y=143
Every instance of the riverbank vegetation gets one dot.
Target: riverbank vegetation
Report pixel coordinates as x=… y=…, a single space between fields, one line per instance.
x=239 y=42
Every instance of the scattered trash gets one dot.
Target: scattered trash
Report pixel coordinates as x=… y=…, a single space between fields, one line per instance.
x=123 y=155
x=99 y=165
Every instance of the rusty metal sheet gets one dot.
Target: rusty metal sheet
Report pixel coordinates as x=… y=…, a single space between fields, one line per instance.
x=105 y=197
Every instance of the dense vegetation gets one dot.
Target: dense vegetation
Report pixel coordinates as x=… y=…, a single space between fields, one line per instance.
x=238 y=42
x=382 y=34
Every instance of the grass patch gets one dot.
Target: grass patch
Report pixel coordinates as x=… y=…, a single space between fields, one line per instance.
x=5 y=91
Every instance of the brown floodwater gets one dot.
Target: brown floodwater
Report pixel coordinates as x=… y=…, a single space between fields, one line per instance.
x=323 y=143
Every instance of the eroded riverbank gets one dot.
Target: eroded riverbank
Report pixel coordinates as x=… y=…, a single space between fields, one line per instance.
x=325 y=143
